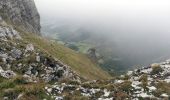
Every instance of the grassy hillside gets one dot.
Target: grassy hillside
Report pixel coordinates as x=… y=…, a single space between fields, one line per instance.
x=78 y=62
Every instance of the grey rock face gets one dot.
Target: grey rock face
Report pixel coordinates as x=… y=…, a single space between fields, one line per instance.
x=29 y=47
x=6 y=74
x=16 y=53
x=8 y=32
x=22 y=13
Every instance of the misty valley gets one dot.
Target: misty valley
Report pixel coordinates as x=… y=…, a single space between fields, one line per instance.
x=113 y=56
x=124 y=38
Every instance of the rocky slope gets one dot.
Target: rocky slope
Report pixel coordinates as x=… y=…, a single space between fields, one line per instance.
x=30 y=70
x=21 y=13
x=147 y=83
x=29 y=63
x=19 y=58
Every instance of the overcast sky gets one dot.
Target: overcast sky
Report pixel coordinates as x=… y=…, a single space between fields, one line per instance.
x=112 y=14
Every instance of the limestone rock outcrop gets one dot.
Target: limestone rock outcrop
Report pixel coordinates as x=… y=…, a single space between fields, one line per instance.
x=21 y=13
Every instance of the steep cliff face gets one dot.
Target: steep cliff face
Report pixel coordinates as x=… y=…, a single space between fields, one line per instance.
x=22 y=13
